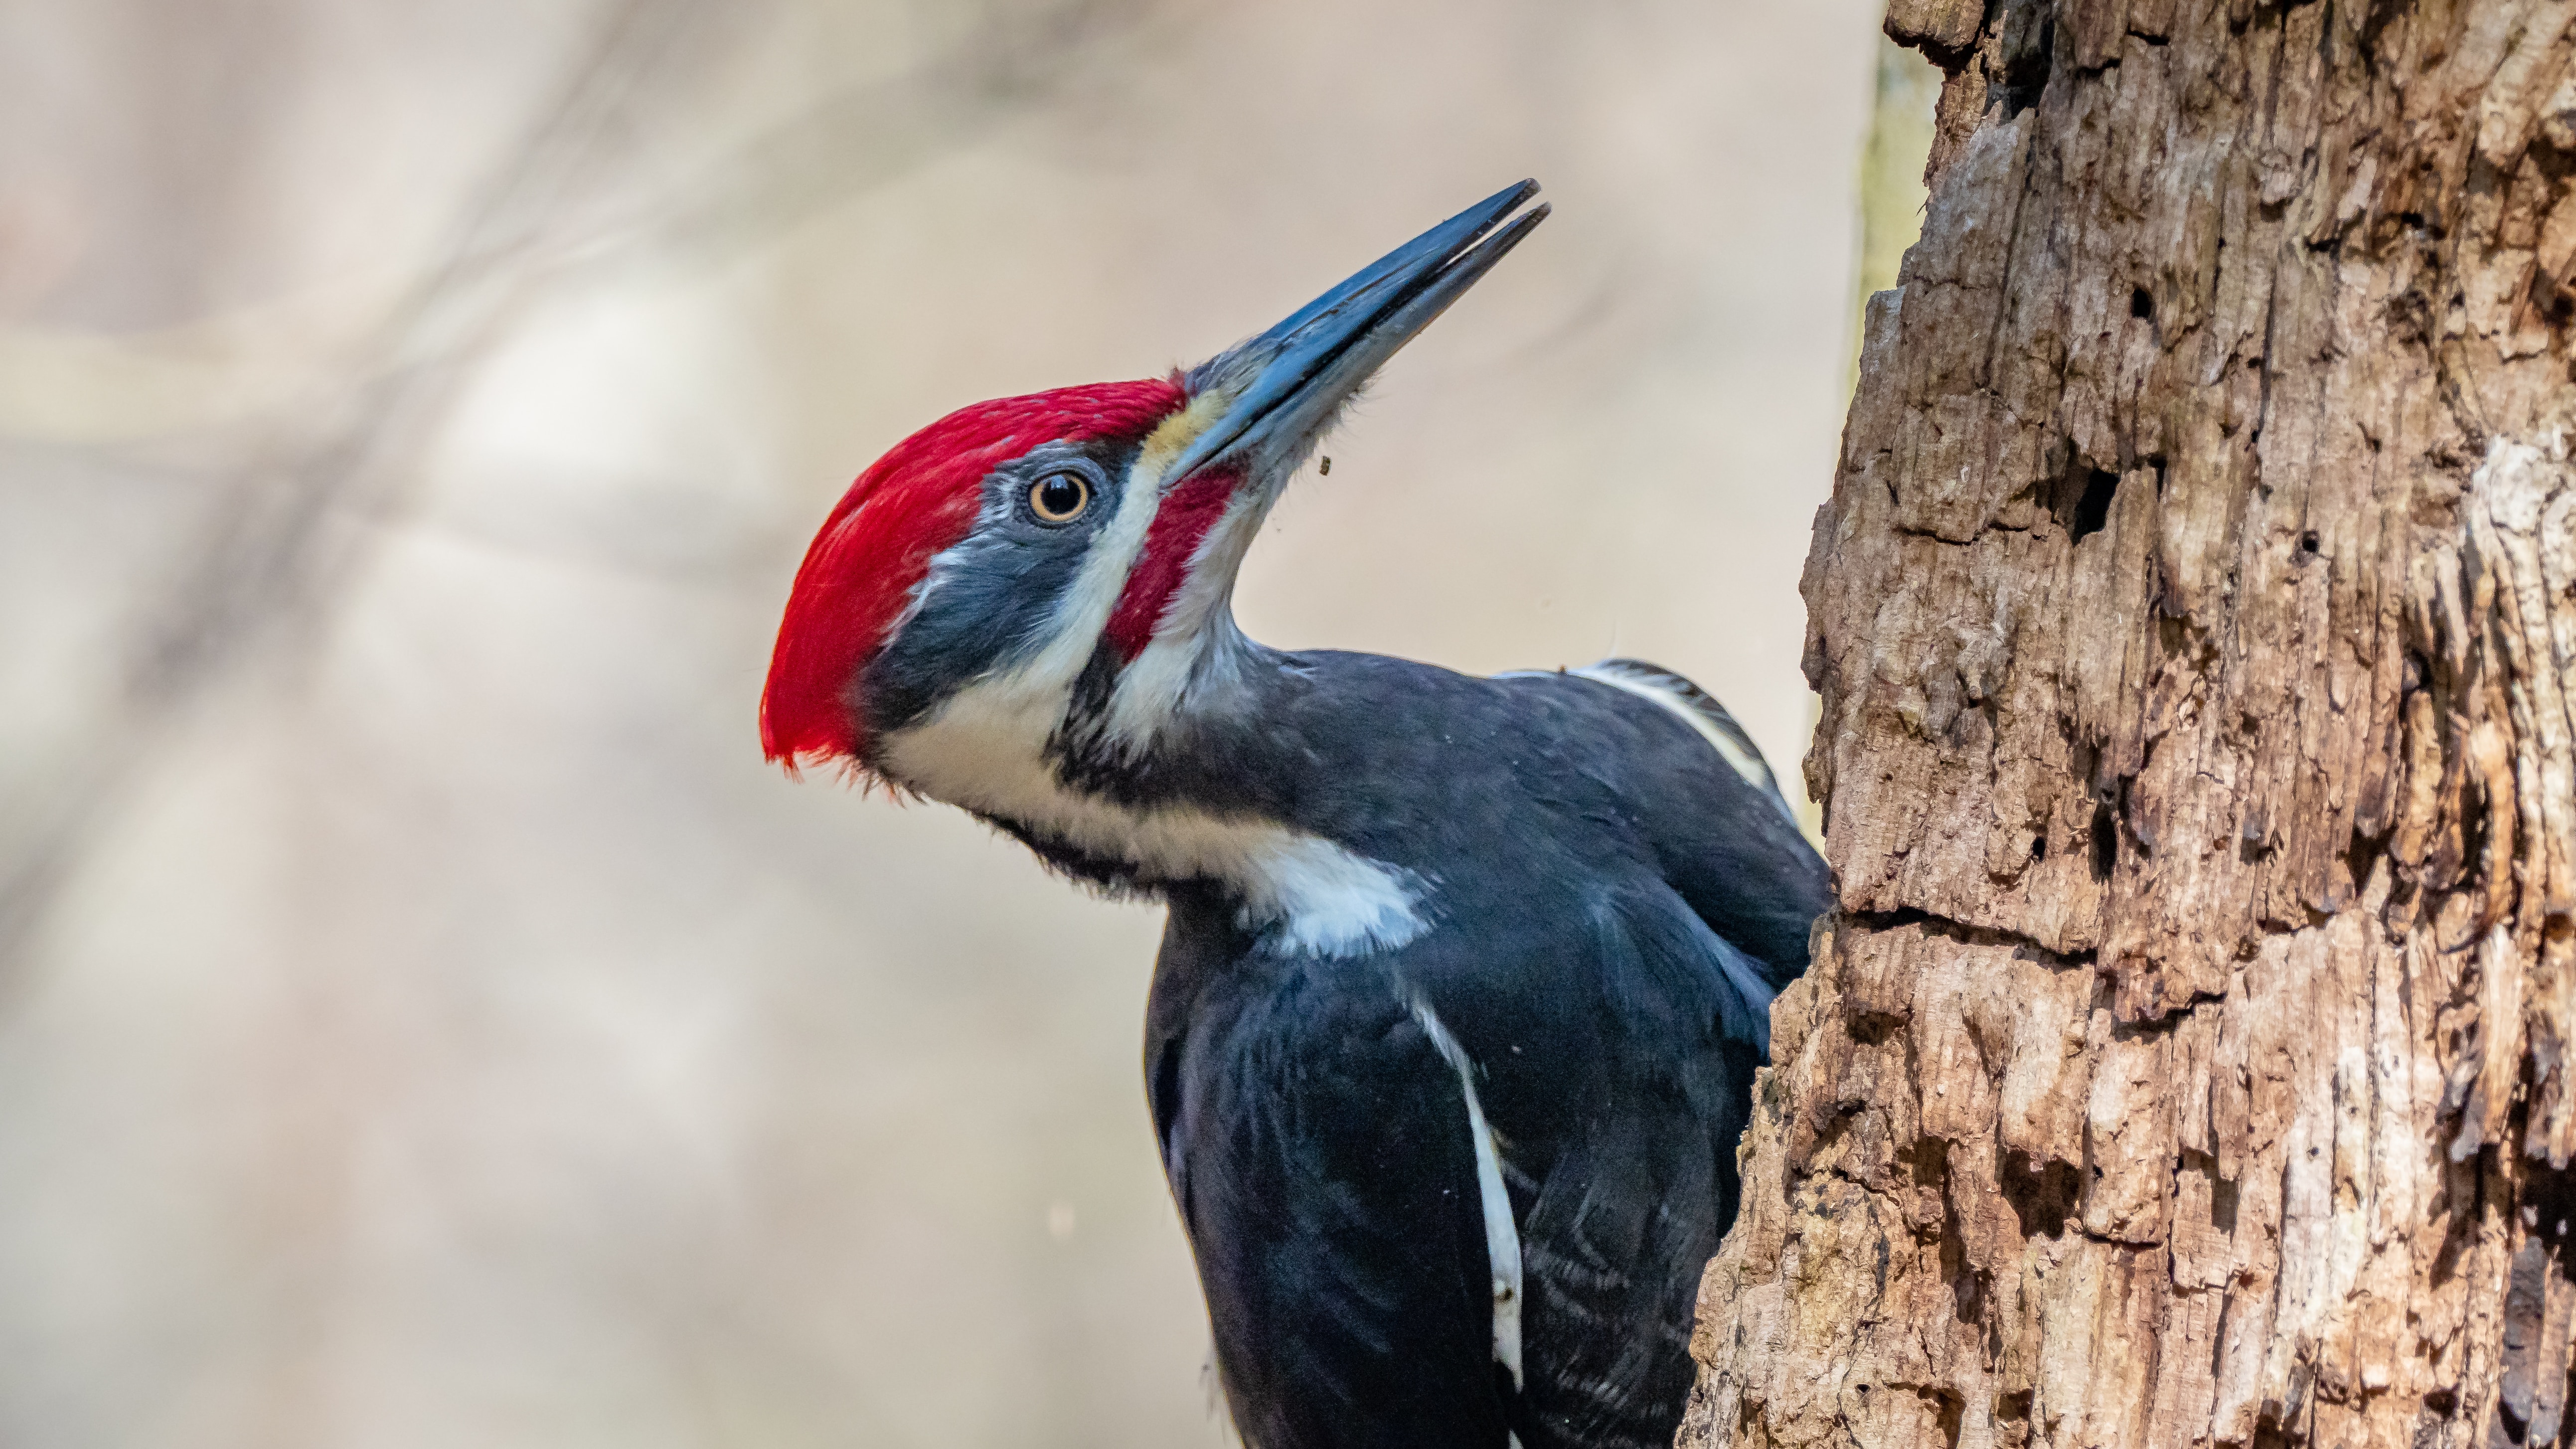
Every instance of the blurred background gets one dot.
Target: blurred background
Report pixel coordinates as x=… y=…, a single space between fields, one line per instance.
x=424 y=1021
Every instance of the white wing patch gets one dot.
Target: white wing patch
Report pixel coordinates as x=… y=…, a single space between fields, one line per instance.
x=1694 y=707
x=1502 y=1235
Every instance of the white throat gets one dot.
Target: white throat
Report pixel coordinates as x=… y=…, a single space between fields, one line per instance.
x=985 y=750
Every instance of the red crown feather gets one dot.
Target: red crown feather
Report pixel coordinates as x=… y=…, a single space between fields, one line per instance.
x=917 y=500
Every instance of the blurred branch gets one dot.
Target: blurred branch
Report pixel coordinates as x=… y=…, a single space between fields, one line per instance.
x=298 y=521
x=1025 y=56
x=269 y=554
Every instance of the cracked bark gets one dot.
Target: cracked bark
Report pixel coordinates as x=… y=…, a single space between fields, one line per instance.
x=2195 y=617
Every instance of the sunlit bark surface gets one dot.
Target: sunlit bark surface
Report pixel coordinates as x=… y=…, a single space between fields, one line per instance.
x=2187 y=1060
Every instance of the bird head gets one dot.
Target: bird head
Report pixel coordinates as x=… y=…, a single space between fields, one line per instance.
x=1054 y=572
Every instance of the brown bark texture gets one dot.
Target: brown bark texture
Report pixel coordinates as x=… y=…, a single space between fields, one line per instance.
x=2188 y=1057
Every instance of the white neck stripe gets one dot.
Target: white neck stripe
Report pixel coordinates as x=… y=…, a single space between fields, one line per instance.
x=984 y=749
x=1502 y=1235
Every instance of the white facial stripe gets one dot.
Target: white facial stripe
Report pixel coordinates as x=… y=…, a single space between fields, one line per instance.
x=1502 y=1235
x=985 y=749
x=1084 y=610
x=1086 y=607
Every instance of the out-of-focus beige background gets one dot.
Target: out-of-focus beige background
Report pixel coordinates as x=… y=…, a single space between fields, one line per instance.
x=424 y=1021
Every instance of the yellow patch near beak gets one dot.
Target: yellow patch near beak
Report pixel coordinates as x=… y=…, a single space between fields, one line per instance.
x=1177 y=432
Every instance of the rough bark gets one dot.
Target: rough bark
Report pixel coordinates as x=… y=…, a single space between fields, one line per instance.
x=2187 y=1059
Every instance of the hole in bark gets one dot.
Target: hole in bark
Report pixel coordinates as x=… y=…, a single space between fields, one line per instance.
x=2028 y=32
x=2093 y=510
x=2042 y=1196
x=1968 y=1286
x=2039 y=847
x=2084 y=758
x=2531 y=1393
x=2013 y=1405
x=2142 y=304
x=2253 y=837
x=2381 y=14
x=2223 y=1197
x=2362 y=855
x=2309 y=543
x=2473 y=828
x=1870 y=1029
x=2140 y=834
x=2517 y=1392
x=1948 y=1410
x=2106 y=841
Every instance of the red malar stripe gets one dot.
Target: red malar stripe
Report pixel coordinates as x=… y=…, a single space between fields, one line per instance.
x=1183 y=520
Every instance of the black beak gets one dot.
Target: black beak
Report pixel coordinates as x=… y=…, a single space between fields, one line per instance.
x=1288 y=382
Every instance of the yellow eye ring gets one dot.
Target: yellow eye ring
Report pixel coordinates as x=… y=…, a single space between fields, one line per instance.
x=1060 y=497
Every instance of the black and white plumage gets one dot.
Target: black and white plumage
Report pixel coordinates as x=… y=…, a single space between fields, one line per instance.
x=1604 y=908
x=1465 y=981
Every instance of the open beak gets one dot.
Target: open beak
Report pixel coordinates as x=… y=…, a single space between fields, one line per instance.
x=1287 y=383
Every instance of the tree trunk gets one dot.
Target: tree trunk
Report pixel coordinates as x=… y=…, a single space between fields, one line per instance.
x=2187 y=1059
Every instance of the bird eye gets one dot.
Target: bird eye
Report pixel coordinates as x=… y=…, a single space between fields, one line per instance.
x=1060 y=497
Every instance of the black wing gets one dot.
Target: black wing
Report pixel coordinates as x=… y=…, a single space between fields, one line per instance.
x=1712 y=812
x=1631 y=1175
x=1621 y=1140
x=1318 y=1149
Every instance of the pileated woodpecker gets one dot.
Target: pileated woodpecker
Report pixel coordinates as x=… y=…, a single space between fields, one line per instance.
x=1464 y=980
